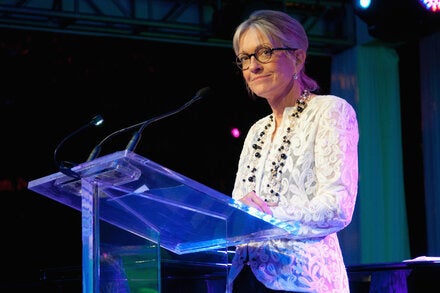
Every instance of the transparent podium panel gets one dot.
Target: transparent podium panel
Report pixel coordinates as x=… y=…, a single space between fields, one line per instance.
x=151 y=210
x=127 y=263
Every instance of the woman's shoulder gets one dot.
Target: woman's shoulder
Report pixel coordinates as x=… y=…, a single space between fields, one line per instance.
x=262 y=121
x=329 y=101
x=259 y=124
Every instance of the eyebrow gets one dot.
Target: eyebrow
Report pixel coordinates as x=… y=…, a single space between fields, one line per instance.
x=257 y=47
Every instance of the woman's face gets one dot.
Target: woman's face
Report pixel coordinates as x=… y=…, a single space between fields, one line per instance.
x=271 y=80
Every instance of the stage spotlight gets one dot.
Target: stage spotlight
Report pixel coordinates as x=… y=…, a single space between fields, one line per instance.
x=431 y=5
x=364 y=4
x=369 y=10
x=429 y=20
x=235 y=132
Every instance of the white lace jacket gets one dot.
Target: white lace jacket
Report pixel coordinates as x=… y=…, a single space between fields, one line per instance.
x=318 y=191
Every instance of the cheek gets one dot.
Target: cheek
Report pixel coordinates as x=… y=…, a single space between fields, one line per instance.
x=286 y=71
x=246 y=75
x=284 y=76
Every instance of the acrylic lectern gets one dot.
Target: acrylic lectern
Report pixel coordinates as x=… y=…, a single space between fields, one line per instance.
x=136 y=214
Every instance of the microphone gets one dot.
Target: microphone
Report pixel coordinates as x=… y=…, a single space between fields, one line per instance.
x=64 y=166
x=203 y=92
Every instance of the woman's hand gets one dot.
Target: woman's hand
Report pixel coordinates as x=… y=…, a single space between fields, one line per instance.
x=253 y=200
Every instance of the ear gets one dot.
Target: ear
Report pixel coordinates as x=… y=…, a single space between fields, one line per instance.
x=300 y=57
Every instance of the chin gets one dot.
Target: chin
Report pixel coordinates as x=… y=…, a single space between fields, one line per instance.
x=258 y=90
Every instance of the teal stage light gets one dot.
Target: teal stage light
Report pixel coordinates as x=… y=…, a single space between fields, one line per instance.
x=364 y=4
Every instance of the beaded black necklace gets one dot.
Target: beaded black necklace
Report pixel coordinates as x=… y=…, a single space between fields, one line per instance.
x=274 y=186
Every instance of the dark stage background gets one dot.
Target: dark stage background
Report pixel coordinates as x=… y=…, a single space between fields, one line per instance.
x=52 y=84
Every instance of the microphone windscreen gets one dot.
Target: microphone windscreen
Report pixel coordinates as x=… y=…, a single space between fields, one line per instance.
x=203 y=92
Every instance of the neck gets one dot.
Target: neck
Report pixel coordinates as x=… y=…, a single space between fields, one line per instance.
x=290 y=100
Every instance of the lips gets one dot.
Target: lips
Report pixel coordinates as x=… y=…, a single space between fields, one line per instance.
x=258 y=78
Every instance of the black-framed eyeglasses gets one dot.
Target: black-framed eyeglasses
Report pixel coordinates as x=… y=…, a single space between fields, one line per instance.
x=262 y=54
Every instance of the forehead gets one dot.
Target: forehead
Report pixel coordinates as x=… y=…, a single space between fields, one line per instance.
x=252 y=39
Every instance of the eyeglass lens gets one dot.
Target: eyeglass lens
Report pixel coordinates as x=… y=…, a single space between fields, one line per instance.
x=262 y=54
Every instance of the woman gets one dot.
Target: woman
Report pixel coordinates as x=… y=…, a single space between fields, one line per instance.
x=297 y=164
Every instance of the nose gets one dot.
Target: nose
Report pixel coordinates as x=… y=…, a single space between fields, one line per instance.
x=254 y=64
